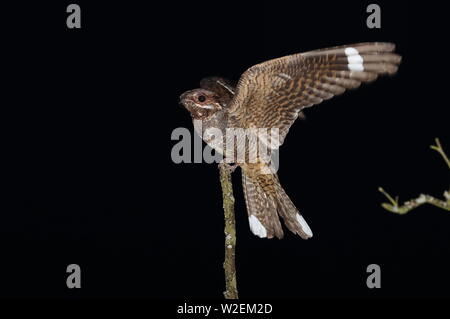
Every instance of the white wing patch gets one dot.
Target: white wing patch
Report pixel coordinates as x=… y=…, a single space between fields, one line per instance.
x=256 y=227
x=304 y=225
x=355 y=61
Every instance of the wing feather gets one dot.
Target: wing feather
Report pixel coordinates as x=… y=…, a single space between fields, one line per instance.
x=271 y=94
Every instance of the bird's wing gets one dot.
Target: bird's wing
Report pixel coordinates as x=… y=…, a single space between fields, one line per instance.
x=271 y=94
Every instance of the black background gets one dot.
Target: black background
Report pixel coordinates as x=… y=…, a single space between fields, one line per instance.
x=89 y=119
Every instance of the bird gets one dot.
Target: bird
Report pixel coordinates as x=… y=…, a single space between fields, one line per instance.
x=273 y=94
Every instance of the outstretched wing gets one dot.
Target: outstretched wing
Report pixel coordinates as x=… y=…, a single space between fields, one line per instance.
x=271 y=94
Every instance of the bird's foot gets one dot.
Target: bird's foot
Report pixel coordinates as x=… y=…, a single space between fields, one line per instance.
x=230 y=167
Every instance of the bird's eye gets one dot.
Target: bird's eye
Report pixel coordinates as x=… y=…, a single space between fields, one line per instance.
x=201 y=98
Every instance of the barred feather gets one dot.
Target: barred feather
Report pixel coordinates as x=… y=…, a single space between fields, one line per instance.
x=266 y=200
x=272 y=94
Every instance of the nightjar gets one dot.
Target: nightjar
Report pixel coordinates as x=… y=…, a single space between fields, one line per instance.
x=272 y=94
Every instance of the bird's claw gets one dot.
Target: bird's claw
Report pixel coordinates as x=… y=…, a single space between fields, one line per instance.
x=230 y=167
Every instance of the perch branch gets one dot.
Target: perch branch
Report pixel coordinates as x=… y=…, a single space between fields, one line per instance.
x=229 y=266
x=393 y=205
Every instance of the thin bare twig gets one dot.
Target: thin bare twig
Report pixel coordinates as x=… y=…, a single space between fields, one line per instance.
x=229 y=266
x=393 y=205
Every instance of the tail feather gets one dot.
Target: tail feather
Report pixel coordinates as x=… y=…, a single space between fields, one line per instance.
x=262 y=211
x=266 y=200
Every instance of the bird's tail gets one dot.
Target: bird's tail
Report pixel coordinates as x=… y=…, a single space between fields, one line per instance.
x=266 y=200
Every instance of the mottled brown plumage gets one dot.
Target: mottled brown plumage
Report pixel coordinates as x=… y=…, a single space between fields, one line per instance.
x=272 y=95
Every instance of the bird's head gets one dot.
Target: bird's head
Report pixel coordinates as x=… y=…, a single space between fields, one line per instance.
x=200 y=103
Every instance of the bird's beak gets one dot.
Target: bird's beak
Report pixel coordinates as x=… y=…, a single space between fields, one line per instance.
x=184 y=95
x=185 y=102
